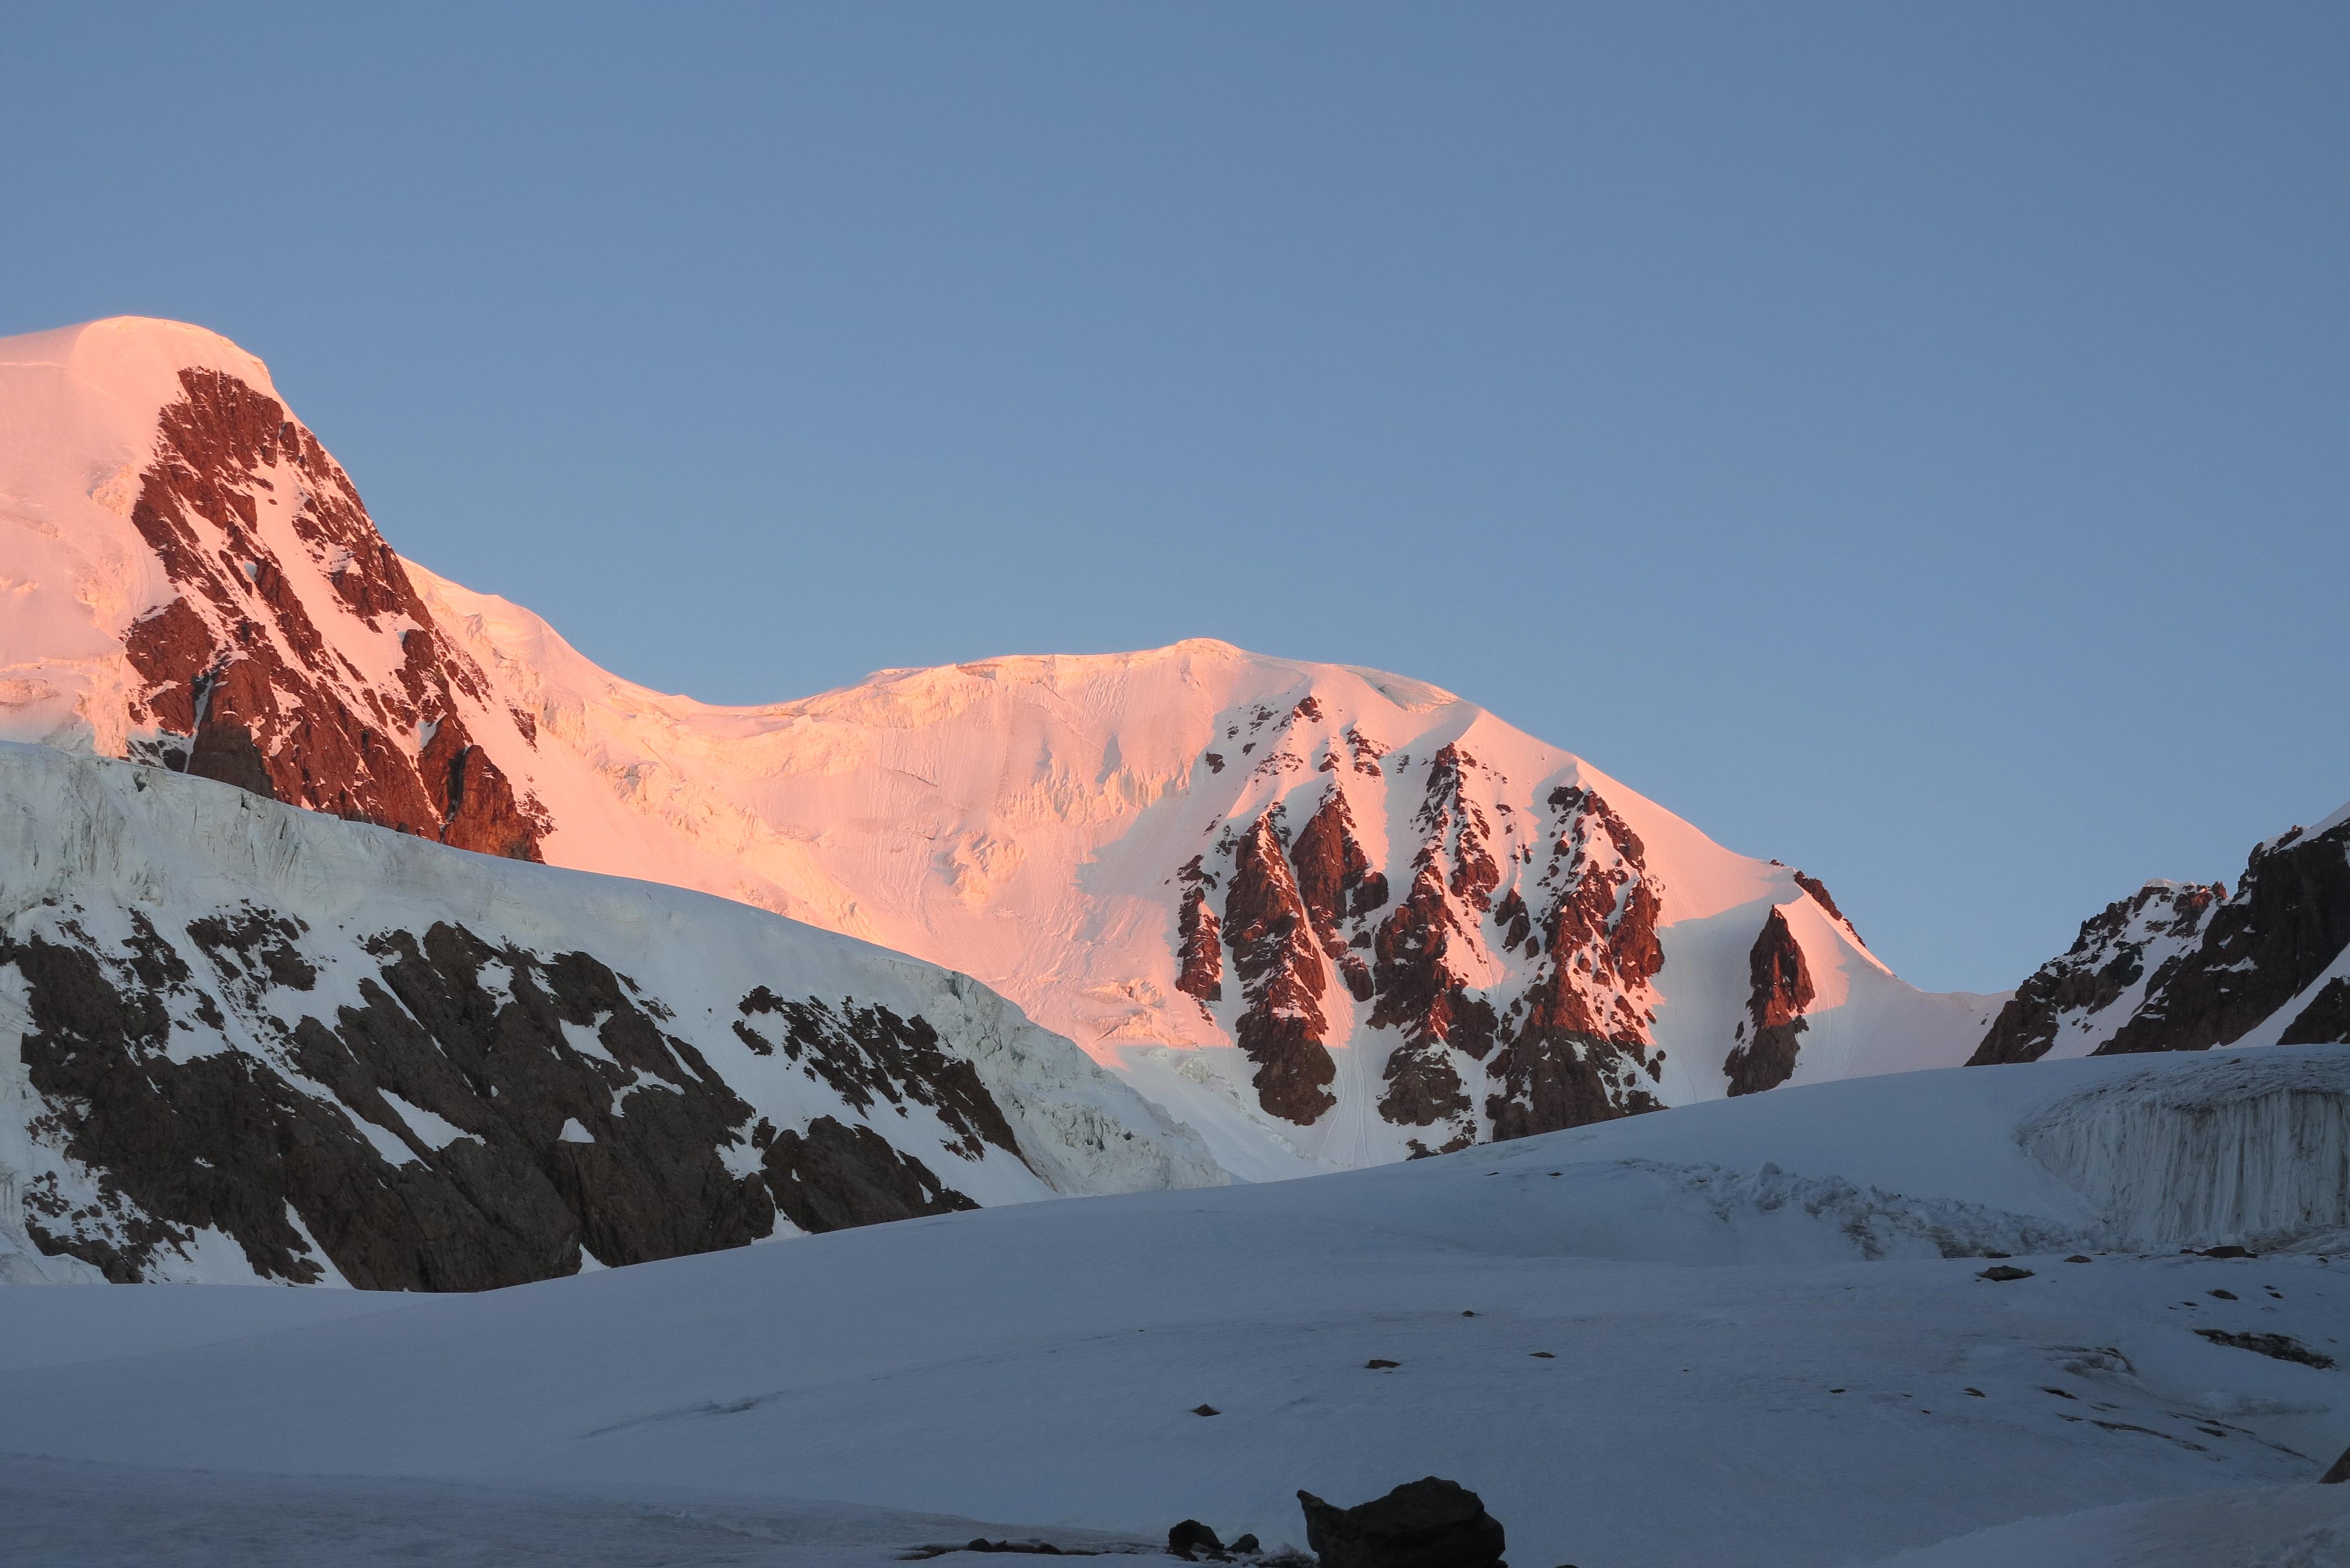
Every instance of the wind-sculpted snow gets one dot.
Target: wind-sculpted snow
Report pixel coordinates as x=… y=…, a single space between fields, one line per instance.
x=1448 y=930
x=245 y=1042
x=2251 y=1148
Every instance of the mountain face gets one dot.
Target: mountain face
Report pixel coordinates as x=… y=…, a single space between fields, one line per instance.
x=1329 y=916
x=2178 y=967
x=257 y=1044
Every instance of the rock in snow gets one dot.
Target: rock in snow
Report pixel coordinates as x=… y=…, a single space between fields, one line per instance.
x=1329 y=916
x=1430 y=1524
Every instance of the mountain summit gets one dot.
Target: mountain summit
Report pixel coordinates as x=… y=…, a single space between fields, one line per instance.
x=1330 y=917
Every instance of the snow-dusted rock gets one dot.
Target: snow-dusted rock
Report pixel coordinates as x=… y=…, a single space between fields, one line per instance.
x=2185 y=968
x=241 y=1041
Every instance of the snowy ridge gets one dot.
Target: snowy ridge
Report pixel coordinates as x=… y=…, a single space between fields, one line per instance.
x=2073 y=1004
x=1335 y=916
x=1035 y=821
x=2184 y=968
x=244 y=1040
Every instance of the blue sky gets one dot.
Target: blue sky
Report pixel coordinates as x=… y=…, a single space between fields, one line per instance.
x=1908 y=441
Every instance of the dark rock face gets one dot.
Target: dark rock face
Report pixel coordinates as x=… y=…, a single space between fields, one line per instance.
x=2221 y=966
x=2276 y=1347
x=2324 y=1021
x=1200 y=958
x=1560 y=1034
x=1190 y=1538
x=1281 y=975
x=1820 y=896
x=1430 y=1524
x=869 y=1055
x=482 y=1115
x=244 y=686
x=2105 y=962
x=1781 y=989
x=835 y=1176
x=1581 y=1044
x=2288 y=923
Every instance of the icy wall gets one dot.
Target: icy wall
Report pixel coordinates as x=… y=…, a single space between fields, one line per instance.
x=2252 y=1147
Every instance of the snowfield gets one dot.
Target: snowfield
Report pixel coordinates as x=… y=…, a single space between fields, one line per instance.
x=1750 y=1332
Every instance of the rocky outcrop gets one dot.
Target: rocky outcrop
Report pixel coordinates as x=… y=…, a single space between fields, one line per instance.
x=838 y=1174
x=245 y=684
x=1337 y=883
x=2186 y=968
x=487 y=1115
x=1780 y=989
x=1281 y=974
x=489 y=1192
x=2287 y=924
x=1826 y=901
x=1424 y=952
x=2326 y=1021
x=1576 y=1044
x=2106 y=965
x=1428 y=1523
x=1198 y=953
x=1503 y=1002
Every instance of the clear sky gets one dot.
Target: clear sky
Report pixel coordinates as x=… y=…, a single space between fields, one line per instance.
x=1908 y=441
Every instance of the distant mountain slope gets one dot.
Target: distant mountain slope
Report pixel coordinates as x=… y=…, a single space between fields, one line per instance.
x=246 y=1043
x=2184 y=968
x=1331 y=916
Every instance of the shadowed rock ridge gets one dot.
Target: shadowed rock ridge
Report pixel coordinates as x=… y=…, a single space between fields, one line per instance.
x=1765 y=1058
x=538 y=1150
x=2186 y=968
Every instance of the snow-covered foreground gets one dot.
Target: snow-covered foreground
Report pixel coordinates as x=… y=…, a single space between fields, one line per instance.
x=102 y=1516
x=121 y=1516
x=1722 y=1335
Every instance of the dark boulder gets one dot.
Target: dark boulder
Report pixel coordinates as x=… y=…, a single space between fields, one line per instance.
x=1429 y=1523
x=1190 y=1538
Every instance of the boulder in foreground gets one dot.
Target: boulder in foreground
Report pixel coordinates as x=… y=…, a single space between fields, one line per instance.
x=1426 y=1523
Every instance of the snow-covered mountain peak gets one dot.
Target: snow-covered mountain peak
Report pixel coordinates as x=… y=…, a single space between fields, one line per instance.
x=133 y=361
x=1331 y=915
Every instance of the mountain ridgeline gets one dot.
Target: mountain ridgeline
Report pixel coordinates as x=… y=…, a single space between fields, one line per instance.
x=1321 y=916
x=2178 y=967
